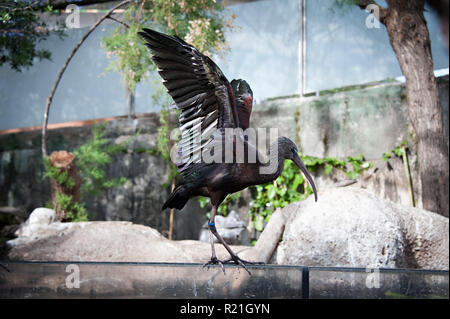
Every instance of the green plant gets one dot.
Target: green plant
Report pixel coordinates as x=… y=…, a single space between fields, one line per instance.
x=74 y=211
x=21 y=28
x=359 y=165
x=289 y=187
x=92 y=159
x=62 y=178
x=397 y=151
x=386 y=156
x=200 y=23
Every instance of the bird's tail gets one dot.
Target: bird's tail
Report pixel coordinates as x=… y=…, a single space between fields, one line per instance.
x=177 y=199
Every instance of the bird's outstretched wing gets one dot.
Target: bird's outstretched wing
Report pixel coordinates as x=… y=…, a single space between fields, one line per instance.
x=199 y=89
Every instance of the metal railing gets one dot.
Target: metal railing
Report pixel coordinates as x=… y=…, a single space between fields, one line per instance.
x=183 y=280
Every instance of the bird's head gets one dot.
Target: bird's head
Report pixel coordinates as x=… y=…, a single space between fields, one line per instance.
x=241 y=88
x=289 y=150
x=243 y=93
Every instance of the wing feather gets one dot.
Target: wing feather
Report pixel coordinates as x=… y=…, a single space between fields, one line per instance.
x=200 y=91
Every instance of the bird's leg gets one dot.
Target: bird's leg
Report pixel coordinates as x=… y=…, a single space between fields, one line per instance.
x=234 y=258
x=214 y=259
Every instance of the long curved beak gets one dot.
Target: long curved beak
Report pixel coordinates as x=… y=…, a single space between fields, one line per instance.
x=303 y=168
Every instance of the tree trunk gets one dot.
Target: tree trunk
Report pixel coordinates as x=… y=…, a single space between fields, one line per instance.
x=130 y=102
x=409 y=37
x=64 y=161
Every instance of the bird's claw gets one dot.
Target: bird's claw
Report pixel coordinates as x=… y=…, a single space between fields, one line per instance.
x=232 y=260
x=241 y=262
x=215 y=261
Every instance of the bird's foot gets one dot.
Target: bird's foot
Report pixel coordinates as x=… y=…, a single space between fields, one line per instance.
x=214 y=261
x=241 y=262
x=232 y=260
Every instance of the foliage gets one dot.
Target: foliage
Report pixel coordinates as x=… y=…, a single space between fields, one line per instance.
x=397 y=151
x=359 y=166
x=198 y=22
x=131 y=56
x=62 y=178
x=21 y=29
x=74 y=211
x=386 y=156
x=289 y=187
x=92 y=159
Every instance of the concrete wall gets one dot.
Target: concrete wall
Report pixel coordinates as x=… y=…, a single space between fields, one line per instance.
x=368 y=121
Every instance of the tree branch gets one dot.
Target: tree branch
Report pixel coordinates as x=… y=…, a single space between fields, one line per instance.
x=58 y=79
x=383 y=11
x=118 y=21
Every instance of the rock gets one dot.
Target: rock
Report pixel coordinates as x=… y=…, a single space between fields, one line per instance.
x=42 y=216
x=38 y=221
x=103 y=241
x=351 y=227
x=232 y=229
x=124 y=241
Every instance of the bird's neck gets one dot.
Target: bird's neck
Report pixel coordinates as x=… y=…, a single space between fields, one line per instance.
x=274 y=167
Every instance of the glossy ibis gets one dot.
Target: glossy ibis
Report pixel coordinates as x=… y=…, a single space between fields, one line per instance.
x=210 y=105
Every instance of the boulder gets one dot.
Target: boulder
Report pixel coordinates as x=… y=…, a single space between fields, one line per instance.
x=125 y=242
x=39 y=219
x=42 y=216
x=351 y=227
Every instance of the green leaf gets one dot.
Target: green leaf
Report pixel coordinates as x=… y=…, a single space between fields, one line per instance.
x=203 y=201
x=366 y=165
x=398 y=151
x=271 y=192
x=328 y=169
x=259 y=223
x=352 y=174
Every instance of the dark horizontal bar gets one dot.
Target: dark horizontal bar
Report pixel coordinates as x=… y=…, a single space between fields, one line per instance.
x=268 y=266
